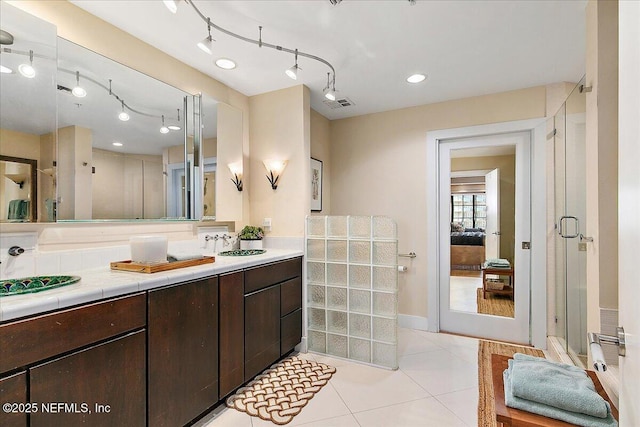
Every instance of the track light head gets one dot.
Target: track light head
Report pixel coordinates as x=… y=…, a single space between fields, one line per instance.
x=330 y=91
x=206 y=45
x=164 y=129
x=27 y=70
x=293 y=72
x=172 y=5
x=124 y=116
x=78 y=91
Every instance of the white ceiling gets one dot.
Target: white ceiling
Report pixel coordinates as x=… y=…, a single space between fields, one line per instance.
x=467 y=48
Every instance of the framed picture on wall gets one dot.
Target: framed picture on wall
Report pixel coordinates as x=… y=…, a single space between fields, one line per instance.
x=316 y=185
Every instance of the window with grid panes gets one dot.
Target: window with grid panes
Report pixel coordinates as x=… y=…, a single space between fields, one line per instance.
x=470 y=210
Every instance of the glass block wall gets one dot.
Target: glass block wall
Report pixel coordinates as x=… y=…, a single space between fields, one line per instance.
x=352 y=288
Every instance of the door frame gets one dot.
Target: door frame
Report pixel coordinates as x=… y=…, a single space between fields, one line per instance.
x=538 y=290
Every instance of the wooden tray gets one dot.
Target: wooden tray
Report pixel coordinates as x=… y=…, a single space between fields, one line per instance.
x=155 y=268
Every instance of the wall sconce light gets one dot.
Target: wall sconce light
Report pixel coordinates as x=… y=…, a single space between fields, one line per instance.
x=236 y=171
x=275 y=168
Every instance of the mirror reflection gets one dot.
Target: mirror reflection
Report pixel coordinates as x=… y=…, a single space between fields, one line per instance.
x=483 y=230
x=28 y=119
x=120 y=135
x=18 y=187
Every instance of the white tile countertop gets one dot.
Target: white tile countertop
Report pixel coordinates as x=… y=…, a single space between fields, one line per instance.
x=100 y=283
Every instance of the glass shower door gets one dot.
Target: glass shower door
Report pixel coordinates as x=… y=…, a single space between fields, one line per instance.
x=571 y=245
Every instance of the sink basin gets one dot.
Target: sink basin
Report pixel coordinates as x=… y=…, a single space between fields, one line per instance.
x=243 y=252
x=27 y=285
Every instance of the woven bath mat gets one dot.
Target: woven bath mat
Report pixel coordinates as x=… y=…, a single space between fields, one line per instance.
x=280 y=392
x=497 y=305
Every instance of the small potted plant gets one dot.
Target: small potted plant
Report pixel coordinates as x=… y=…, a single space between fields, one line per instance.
x=251 y=237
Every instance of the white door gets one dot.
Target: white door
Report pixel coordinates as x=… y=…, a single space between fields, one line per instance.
x=492 y=191
x=629 y=206
x=498 y=327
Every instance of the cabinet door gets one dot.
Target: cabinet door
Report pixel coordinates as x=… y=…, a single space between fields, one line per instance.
x=102 y=385
x=13 y=389
x=182 y=329
x=290 y=331
x=231 y=332
x=261 y=330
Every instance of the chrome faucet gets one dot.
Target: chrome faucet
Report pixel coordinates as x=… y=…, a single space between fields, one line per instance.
x=225 y=239
x=208 y=238
x=15 y=251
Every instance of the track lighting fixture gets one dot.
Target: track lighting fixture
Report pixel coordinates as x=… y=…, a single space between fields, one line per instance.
x=164 y=129
x=78 y=91
x=27 y=70
x=124 y=116
x=207 y=44
x=6 y=37
x=293 y=71
x=172 y=5
x=330 y=90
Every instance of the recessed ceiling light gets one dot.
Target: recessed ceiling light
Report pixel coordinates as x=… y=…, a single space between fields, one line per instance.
x=225 y=64
x=5 y=70
x=117 y=144
x=416 y=78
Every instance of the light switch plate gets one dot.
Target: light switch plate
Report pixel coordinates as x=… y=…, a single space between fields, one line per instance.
x=582 y=247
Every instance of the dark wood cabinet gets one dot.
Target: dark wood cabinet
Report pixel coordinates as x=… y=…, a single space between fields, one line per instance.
x=13 y=389
x=182 y=329
x=231 y=332
x=261 y=330
x=273 y=315
x=102 y=385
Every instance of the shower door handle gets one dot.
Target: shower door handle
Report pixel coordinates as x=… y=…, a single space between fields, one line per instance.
x=576 y=227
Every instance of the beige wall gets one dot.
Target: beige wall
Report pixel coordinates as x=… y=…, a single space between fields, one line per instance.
x=280 y=130
x=321 y=150
x=378 y=168
x=507 y=166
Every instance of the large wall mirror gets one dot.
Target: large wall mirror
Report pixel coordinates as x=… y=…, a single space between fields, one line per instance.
x=28 y=119
x=108 y=142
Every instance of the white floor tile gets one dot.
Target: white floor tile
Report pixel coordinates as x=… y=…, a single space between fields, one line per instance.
x=344 y=421
x=410 y=342
x=364 y=387
x=440 y=371
x=423 y=412
x=462 y=403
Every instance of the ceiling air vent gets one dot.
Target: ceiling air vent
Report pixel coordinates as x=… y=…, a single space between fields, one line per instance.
x=338 y=103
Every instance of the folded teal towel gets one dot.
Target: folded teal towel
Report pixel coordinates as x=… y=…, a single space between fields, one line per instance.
x=555 y=384
x=550 y=411
x=497 y=263
x=178 y=256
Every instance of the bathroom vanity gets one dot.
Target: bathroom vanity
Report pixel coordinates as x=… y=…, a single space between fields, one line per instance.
x=160 y=356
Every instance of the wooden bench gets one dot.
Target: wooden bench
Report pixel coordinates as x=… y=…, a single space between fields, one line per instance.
x=506 y=416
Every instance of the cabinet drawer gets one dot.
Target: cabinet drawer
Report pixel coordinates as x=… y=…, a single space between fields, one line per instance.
x=290 y=296
x=27 y=341
x=290 y=331
x=109 y=374
x=13 y=389
x=271 y=274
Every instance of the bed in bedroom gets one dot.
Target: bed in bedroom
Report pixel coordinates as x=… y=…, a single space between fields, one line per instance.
x=467 y=249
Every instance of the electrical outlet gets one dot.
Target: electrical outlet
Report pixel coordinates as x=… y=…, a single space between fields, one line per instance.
x=266 y=222
x=582 y=247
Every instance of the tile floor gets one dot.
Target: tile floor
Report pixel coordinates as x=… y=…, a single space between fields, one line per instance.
x=463 y=296
x=436 y=385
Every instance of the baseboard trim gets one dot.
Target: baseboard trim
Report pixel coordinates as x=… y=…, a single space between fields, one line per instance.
x=413 y=322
